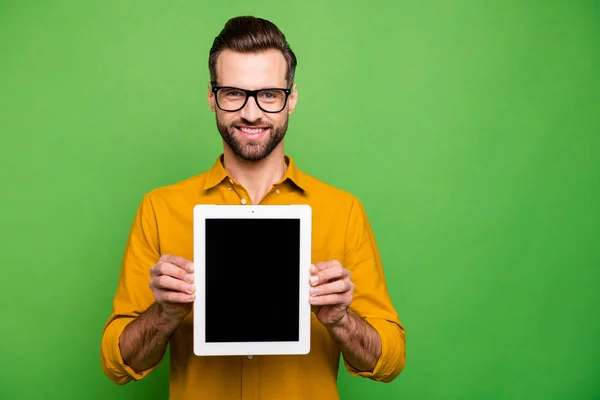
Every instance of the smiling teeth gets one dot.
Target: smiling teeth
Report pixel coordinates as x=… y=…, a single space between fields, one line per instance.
x=251 y=131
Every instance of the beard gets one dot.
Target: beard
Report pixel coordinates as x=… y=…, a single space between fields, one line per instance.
x=252 y=150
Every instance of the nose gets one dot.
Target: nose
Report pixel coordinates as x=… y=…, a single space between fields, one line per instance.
x=251 y=112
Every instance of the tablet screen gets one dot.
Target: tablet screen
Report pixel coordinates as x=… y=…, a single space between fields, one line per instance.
x=252 y=280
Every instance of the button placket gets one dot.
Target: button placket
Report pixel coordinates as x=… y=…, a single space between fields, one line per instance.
x=240 y=191
x=244 y=197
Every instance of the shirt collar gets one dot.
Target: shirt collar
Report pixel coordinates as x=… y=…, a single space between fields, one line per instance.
x=217 y=174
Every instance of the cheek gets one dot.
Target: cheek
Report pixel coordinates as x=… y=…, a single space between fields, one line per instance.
x=278 y=119
x=226 y=118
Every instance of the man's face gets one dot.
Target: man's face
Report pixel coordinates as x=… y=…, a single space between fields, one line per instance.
x=251 y=133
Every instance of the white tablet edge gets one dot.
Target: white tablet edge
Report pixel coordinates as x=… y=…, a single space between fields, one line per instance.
x=302 y=212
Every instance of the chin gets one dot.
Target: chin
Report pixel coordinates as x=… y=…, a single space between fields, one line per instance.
x=252 y=155
x=250 y=150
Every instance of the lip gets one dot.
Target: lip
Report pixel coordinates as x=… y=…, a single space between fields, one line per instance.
x=252 y=136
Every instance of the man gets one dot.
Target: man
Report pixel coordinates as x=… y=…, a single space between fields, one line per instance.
x=252 y=94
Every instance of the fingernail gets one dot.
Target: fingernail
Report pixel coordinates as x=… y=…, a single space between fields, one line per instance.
x=189 y=267
x=190 y=288
x=314 y=279
x=189 y=278
x=313 y=269
x=314 y=291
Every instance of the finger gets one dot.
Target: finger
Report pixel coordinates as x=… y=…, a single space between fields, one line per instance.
x=165 y=282
x=339 y=286
x=313 y=269
x=331 y=299
x=332 y=273
x=172 y=270
x=321 y=265
x=164 y=268
x=166 y=296
x=178 y=261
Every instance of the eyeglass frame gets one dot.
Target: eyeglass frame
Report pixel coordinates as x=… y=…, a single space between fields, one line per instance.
x=252 y=93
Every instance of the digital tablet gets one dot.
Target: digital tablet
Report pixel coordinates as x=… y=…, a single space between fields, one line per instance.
x=252 y=266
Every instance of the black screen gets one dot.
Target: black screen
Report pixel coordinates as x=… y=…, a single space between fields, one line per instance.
x=252 y=280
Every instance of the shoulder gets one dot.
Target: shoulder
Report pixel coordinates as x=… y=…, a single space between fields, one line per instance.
x=338 y=214
x=321 y=188
x=182 y=190
x=330 y=197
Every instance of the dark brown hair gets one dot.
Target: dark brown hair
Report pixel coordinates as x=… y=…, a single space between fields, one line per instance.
x=251 y=35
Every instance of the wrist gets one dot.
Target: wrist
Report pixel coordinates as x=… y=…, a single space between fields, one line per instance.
x=164 y=321
x=344 y=329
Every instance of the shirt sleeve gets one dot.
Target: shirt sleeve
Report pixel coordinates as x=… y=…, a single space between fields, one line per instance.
x=133 y=295
x=371 y=299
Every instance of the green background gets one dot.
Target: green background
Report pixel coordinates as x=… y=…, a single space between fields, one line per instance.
x=469 y=129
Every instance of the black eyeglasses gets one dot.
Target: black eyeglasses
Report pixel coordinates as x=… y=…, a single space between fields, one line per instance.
x=272 y=100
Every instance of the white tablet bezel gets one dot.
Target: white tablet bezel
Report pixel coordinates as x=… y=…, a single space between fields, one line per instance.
x=203 y=212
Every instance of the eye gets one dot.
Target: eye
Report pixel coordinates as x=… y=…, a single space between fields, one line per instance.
x=231 y=93
x=271 y=94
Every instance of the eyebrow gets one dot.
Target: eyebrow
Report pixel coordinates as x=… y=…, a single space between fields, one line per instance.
x=259 y=88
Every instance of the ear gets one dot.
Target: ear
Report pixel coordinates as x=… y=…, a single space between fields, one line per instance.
x=211 y=99
x=293 y=99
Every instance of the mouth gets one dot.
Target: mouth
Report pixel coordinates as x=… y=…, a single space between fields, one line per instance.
x=252 y=133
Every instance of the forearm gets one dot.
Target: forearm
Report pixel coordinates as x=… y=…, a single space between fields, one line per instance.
x=359 y=342
x=144 y=341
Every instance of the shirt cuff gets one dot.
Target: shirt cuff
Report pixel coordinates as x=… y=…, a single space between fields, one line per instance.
x=393 y=355
x=114 y=366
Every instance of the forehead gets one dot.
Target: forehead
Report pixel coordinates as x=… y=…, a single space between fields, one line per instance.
x=251 y=70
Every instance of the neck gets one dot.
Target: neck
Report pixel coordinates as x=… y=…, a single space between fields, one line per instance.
x=257 y=177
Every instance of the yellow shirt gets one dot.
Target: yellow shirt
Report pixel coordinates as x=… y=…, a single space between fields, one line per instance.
x=341 y=231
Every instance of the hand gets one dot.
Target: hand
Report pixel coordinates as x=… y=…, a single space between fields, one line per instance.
x=172 y=284
x=331 y=291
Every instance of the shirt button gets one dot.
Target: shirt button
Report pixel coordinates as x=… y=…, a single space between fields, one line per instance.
x=243 y=201
x=277 y=191
x=229 y=188
x=250 y=357
x=230 y=180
